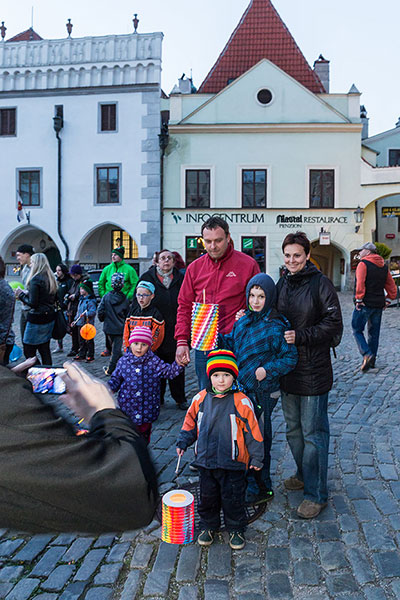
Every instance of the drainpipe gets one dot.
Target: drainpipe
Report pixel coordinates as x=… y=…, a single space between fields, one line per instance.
x=58 y=125
x=163 y=139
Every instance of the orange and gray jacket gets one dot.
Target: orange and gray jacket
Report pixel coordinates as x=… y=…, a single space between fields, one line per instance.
x=225 y=429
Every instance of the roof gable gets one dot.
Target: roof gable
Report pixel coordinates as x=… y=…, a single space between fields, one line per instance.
x=29 y=35
x=291 y=102
x=261 y=33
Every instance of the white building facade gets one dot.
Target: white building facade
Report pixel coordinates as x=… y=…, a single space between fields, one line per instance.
x=271 y=152
x=98 y=185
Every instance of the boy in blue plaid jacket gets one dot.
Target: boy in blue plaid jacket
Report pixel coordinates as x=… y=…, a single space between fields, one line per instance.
x=263 y=356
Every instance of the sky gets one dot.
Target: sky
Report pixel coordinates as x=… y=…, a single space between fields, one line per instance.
x=359 y=37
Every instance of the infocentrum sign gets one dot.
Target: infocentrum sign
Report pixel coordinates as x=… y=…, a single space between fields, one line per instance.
x=254 y=218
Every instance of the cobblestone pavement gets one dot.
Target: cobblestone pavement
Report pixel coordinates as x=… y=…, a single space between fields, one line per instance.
x=350 y=551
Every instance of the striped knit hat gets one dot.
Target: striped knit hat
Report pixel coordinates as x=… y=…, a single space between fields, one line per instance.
x=222 y=360
x=141 y=334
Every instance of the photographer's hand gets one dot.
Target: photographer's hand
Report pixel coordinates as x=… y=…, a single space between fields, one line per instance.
x=85 y=395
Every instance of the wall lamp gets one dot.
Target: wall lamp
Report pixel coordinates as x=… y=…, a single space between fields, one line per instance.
x=358 y=217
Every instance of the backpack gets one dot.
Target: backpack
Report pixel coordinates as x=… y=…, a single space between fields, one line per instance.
x=314 y=288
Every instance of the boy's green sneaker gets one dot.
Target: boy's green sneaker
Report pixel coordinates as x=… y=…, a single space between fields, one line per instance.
x=236 y=540
x=205 y=538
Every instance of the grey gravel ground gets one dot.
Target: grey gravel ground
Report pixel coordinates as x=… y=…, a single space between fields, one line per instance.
x=350 y=551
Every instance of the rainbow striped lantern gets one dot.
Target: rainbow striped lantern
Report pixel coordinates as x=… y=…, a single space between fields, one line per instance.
x=177 y=517
x=204 y=326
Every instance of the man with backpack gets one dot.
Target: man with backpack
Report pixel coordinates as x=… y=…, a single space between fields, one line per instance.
x=309 y=301
x=373 y=278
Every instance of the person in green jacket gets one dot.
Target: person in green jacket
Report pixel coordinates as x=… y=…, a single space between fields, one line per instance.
x=118 y=265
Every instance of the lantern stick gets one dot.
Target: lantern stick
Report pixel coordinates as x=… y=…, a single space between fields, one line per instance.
x=177 y=466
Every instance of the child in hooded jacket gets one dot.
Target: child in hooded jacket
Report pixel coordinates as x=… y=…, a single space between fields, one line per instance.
x=137 y=377
x=86 y=313
x=113 y=310
x=263 y=356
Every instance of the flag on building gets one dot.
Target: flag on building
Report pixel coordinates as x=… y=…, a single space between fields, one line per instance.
x=21 y=215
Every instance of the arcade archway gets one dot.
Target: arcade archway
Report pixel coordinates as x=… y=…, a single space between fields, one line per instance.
x=331 y=261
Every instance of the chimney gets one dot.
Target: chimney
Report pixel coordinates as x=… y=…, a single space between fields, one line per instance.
x=184 y=86
x=321 y=68
x=365 y=121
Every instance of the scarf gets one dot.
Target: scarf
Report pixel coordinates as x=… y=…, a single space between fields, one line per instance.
x=166 y=277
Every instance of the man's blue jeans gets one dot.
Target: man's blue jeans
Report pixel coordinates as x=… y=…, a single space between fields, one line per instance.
x=372 y=318
x=200 y=362
x=307 y=432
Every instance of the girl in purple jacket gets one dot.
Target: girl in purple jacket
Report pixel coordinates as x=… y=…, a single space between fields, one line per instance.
x=137 y=377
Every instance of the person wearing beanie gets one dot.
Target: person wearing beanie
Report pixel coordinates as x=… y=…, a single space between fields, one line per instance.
x=137 y=378
x=257 y=339
x=72 y=300
x=86 y=313
x=112 y=311
x=23 y=256
x=117 y=265
x=143 y=312
x=229 y=442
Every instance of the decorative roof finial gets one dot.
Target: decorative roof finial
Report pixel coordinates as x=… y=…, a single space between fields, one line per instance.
x=69 y=27
x=3 y=30
x=135 y=21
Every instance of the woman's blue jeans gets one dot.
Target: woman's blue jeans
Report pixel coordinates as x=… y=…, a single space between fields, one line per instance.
x=307 y=432
x=372 y=318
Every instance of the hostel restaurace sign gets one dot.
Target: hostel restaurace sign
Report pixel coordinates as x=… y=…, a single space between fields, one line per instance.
x=296 y=220
x=254 y=218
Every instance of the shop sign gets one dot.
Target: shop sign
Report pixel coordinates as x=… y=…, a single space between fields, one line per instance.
x=390 y=236
x=229 y=217
x=295 y=220
x=247 y=243
x=191 y=243
x=325 y=238
x=390 y=211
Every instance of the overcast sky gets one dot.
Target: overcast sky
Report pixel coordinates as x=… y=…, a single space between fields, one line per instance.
x=359 y=37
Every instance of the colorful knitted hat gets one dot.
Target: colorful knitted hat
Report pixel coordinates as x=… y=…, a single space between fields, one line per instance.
x=222 y=360
x=120 y=251
x=117 y=281
x=141 y=334
x=87 y=285
x=148 y=285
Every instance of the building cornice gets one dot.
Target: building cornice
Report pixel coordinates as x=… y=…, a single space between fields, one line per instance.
x=77 y=51
x=112 y=89
x=266 y=128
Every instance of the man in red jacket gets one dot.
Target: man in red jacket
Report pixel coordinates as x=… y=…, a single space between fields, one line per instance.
x=373 y=278
x=222 y=273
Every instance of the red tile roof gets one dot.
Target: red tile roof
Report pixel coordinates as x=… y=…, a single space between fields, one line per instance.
x=261 y=33
x=26 y=36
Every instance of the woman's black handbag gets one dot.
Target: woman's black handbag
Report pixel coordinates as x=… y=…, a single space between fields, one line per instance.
x=60 y=328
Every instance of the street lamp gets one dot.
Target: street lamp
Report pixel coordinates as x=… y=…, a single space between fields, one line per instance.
x=358 y=217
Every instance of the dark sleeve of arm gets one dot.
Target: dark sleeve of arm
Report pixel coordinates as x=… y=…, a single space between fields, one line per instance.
x=51 y=478
x=188 y=433
x=330 y=324
x=32 y=299
x=101 y=311
x=285 y=357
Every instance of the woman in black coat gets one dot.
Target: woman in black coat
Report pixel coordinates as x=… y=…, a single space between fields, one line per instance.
x=168 y=280
x=64 y=283
x=309 y=301
x=40 y=297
